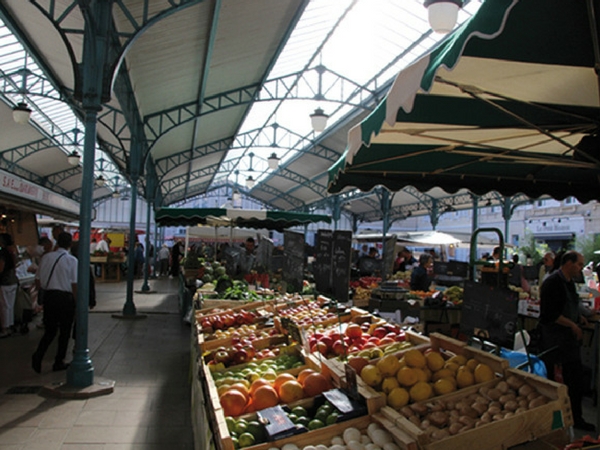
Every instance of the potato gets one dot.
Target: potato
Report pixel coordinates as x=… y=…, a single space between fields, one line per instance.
x=537 y=402
x=526 y=389
x=454 y=413
x=455 y=428
x=502 y=386
x=509 y=414
x=514 y=382
x=466 y=420
x=470 y=412
x=533 y=395
x=520 y=409
x=414 y=419
x=479 y=407
x=483 y=390
x=425 y=424
x=481 y=399
x=467 y=428
x=523 y=404
x=497 y=417
x=438 y=418
x=507 y=398
x=461 y=405
x=407 y=412
x=494 y=394
x=511 y=405
x=486 y=417
x=497 y=404
x=439 y=435
x=419 y=408
x=493 y=410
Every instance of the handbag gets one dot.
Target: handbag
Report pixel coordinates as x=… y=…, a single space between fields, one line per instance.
x=42 y=291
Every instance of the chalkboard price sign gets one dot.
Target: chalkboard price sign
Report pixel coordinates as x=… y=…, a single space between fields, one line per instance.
x=322 y=264
x=341 y=259
x=293 y=268
x=490 y=313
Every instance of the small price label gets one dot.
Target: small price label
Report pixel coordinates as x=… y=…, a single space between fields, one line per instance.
x=351 y=384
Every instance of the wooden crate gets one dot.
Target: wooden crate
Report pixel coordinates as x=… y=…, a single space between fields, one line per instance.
x=526 y=426
x=217 y=306
x=209 y=345
x=322 y=435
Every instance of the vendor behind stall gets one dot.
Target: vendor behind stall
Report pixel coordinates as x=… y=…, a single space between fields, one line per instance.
x=420 y=280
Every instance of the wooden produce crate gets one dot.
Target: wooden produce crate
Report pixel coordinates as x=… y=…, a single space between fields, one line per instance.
x=535 y=423
x=218 y=306
x=209 y=345
x=320 y=436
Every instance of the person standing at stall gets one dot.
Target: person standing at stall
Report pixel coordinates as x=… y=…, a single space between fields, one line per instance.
x=560 y=323
x=57 y=274
x=176 y=256
x=163 y=258
x=419 y=279
x=8 y=284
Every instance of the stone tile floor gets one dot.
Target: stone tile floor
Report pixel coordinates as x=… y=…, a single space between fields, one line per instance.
x=148 y=359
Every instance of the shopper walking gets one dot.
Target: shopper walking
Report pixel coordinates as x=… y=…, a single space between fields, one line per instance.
x=8 y=284
x=57 y=275
x=163 y=258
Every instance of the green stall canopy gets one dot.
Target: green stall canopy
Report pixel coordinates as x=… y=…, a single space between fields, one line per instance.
x=508 y=103
x=243 y=218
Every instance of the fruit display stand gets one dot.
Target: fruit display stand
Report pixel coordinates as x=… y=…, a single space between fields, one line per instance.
x=324 y=436
x=548 y=413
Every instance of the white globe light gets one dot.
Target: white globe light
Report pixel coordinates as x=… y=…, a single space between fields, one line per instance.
x=443 y=16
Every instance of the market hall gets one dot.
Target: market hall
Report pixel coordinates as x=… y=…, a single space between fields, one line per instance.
x=160 y=188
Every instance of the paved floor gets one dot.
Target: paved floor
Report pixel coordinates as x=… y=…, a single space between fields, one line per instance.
x=148 y=360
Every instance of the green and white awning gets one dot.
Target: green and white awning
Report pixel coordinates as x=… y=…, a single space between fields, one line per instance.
x=243 y=218
x=502 y=105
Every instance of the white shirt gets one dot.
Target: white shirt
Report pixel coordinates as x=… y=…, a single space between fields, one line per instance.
x=102 y=246
x=163 y=253
x=65 y=272
x=93 y=247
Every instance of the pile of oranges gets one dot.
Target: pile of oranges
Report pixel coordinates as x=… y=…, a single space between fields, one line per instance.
x=244 y=397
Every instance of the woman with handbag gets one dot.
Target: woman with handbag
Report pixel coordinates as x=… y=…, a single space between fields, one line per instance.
x=8 y=284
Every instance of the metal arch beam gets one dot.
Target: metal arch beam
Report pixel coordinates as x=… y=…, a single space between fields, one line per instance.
x=159 y=123
x=16 y=154
x=168 y=163
x=24 y=81
x=293 y=201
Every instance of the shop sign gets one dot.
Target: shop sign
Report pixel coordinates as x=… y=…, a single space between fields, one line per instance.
x=563 y=225
x=19 y=187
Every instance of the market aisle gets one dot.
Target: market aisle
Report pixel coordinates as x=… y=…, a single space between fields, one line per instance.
x=148 y=359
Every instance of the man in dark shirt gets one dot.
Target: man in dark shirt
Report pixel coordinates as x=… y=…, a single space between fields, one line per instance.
x=560 y=320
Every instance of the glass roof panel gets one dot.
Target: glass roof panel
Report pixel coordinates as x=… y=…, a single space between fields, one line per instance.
x=365 y=41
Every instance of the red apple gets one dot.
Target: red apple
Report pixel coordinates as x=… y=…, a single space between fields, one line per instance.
x=322 y=348
x=386 y=341
x=374 y=340
x=327 y=341
x=221 y=357
x=380 y=332
x=357 y=363
x=369 y=345
x=353 y=330
x=339 y=348
x=240 y=357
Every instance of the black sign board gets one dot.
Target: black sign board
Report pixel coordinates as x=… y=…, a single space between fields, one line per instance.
x=351 y=384
x=490 y=313
x=322 y=264
x=293 y=267
x=342 y=258
x=293 y=329
x=451 y=268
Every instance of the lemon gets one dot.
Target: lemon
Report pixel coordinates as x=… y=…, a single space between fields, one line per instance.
x=464 y=377
x=442 y=373
x=460 y=360
x=389 y=384
x=414 y=358
x=483 y=373
x=371 y=375
x=420 y=391
x=398 y=398
x=435 y=361
x=452 y=366
x=388 y=365
x=407 y=376
x=443 y=386
x=471 y=364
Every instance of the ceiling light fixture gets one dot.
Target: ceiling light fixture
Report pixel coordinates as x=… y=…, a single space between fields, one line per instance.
x=73 y=158
x=100 y=181
x=318 y=119
x=21 y=113
x=273 y=161
x=116 y=193
x=250 y=182
x=442 y=14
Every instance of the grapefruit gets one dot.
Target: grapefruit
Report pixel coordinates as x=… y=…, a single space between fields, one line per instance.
x=282 y=378
x=290 y=391
x=233 y=402
x=264 y=397
x=302 y=375
x=315 y=384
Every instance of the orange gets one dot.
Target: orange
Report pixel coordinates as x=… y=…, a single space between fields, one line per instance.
x=242 y=388
x=265 y=397
x=258 y=383
x=420 y=391
x=282 y=378
x=290 y=391
x=302 y=375
x=316 y=384
x=233 y=402
x=407 y=376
